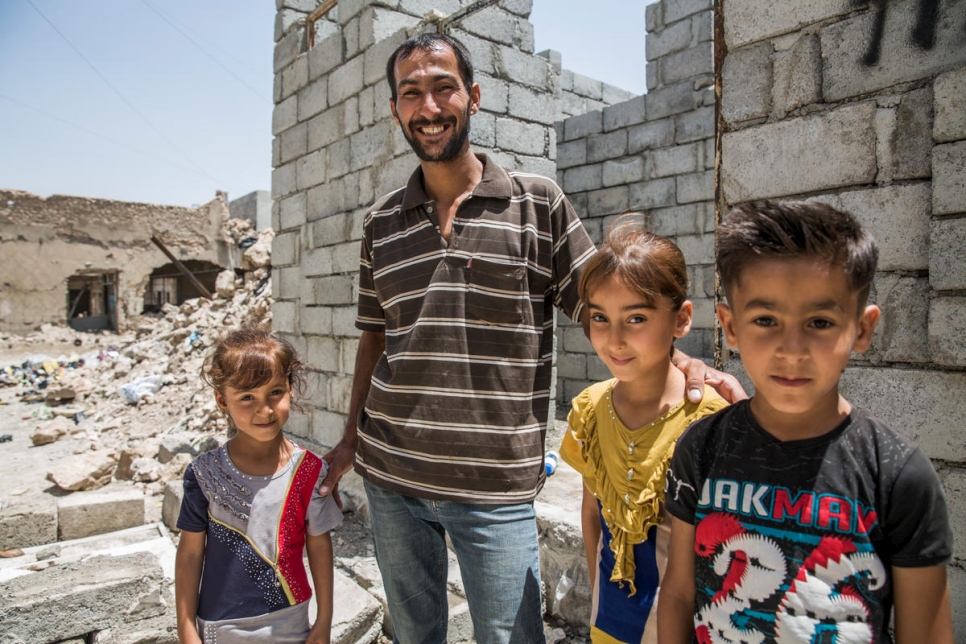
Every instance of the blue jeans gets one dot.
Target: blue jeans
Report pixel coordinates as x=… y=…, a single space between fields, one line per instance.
x=496 y=546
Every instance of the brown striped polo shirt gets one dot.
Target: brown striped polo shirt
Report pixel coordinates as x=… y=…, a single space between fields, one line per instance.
x=458 y=405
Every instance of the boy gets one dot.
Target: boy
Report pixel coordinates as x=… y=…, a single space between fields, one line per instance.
x=796 y=517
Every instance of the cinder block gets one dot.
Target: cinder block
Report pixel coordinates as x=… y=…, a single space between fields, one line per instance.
x=287 y=49
x=609 y=201
x=678 y=9
x=809 y=154
x=614 y=95
x=519 y=136
x=666 y=162
x=483 y=130
x=897 y=216
x=797 y=75
x=687 y=65
x=652 y=194
x=376 y=24
x=310 y=170
x=689 y=219
x=916 y=403
x=588 y=177
x=845 y=43
x=295 y=141
x=326 y=55
x=316 y=320
x=746 y=83
x=699 y=249
x=295 y=76
x=336 y=289
x=499 y=26
x=670 y=39
x=346 y=80
x=283 y=180
x=949 y=178
x=28 y=524
x=323 y=353
x=623 y=171
x=947 y=328
x=289 y=282
x=649 y=136
x=587 y=87
x=83 y=514
x=957 y=595
x=748 y=21
x=950 y=117
x=291 y=211
x=345 y=257
x=494 y=94
x=535 y=105
x=671 y=100
x=571 y=153
x=312 y=99
x=899 y=336
x=695 y=125
x=285 y=115
x=698 y=186
x=171 y=504
x=284 y=317
x=914 y=118
x=621 y=115
x=947 y=268
x=606 y=146
x=578 y=127
x=525 y=69
x=285 y=248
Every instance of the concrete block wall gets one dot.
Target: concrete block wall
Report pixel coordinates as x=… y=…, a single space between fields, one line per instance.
x=336 y=149
x=578 y=94
x=803 y=115
x=652 y=154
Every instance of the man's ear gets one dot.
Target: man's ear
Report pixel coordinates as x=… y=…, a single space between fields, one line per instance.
x=727 y=319
x=392 y=108
x=682 y=321
x=867 y=321
x=475 y=98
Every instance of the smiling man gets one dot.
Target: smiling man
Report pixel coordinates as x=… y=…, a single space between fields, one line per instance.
x=459 y=274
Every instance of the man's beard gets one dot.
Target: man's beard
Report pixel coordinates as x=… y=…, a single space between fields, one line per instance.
x=451 y=150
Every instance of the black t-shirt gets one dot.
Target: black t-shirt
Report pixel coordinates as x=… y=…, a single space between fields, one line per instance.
x=795 y=540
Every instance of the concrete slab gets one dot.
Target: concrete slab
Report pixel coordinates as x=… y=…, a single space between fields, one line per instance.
x=83 y=514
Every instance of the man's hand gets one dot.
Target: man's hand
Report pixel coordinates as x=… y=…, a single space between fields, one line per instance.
x=700 y=374
x=339 y=459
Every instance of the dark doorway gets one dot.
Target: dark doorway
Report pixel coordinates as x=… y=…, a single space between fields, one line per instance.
x=168 y=285
x=92 y=301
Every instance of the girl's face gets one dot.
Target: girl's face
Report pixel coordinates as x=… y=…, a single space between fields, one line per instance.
x=634 y=337
x=258 y=413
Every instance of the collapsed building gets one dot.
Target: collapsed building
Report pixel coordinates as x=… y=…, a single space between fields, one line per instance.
x=97 y=264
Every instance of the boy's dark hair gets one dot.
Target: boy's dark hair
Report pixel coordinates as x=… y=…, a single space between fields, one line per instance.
x=429 y=42
x=775 y=230
x=249 y=358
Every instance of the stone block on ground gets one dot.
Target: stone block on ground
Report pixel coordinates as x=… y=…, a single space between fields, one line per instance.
x=87 y=471
x=88 y=513
x=174 y=444
x=52 y=431
x=357 y=616
x=28 y=524
x=171 y=506
x=81 y=598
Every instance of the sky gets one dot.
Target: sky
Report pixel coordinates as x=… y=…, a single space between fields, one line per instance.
x=168 y=101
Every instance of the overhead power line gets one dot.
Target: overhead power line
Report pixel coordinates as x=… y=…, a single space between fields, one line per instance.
x=205 y=52
x=119 y=94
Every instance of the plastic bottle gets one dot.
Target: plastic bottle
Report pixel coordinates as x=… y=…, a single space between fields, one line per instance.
x=550 y=461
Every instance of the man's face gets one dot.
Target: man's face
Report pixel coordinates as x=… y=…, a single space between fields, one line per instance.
x=432 y=106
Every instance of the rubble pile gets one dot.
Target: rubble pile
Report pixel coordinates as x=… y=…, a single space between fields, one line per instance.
x=138 y=404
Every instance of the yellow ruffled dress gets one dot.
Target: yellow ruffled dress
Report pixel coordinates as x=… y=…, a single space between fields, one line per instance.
x=626 y=468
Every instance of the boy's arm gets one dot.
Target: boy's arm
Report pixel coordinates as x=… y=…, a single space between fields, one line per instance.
x=187 y=580
x=922 y=606
x=319 y=550
x=590 y=526
x=675 y=606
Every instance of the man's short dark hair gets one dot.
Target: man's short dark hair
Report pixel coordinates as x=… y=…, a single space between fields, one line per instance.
x=429 y=42
x=762 y=230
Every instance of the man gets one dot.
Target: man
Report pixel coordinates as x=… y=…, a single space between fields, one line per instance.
x=459 y=272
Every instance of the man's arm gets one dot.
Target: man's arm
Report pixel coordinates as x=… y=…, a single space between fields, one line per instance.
x=922 y=606
x=319 y=551
x=188 y=563
x=590 y=527
x=340 y=458
x=675 y=607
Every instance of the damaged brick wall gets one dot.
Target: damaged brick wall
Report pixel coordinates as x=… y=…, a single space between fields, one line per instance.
x=46 y=241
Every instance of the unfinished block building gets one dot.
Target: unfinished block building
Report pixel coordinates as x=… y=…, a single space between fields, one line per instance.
x=856 y=104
